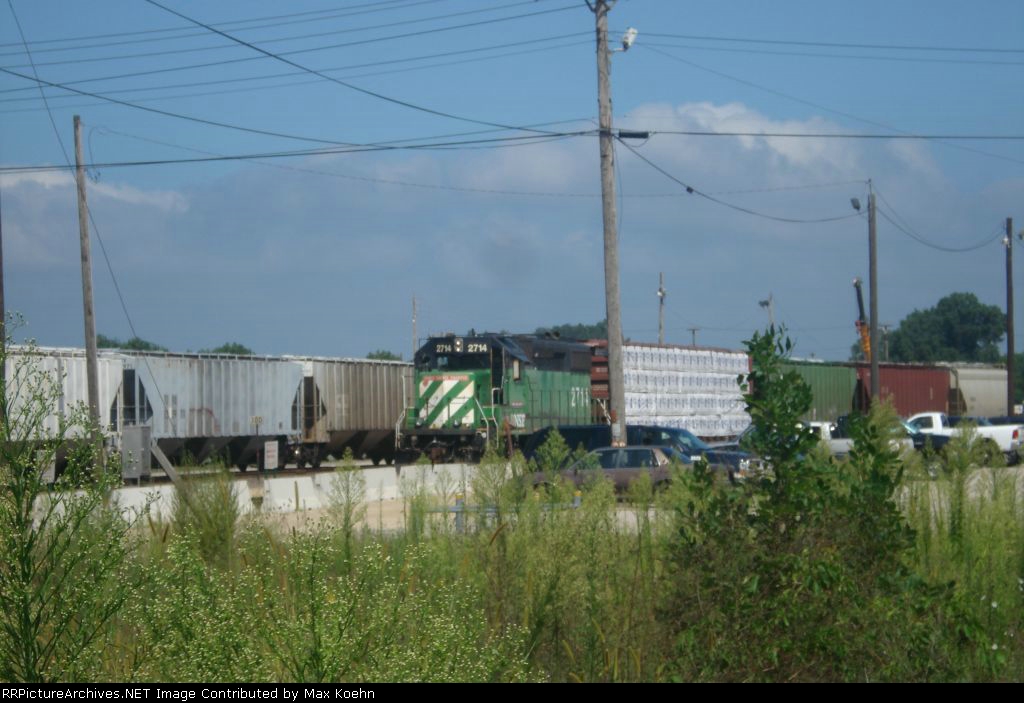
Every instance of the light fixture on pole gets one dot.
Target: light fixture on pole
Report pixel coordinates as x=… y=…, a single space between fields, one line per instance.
x=770 y=306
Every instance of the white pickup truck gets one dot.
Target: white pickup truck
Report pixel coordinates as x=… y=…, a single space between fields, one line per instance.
x=836 y=435
x=1007 y=437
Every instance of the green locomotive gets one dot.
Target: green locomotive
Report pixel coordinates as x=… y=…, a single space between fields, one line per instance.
x=493 y=388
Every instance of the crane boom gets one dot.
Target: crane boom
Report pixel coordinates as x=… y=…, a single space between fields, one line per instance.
x=861 y=323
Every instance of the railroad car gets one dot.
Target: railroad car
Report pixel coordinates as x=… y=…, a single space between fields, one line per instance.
x=352 y=404
x=493 y=387
x=201 y=406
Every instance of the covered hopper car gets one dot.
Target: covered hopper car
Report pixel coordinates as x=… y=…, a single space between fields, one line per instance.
x=203 y=406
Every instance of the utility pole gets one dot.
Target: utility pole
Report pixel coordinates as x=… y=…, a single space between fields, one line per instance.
x=693 y=334
x=1010 y=380
x=616 y=377
x=873 y=275
x=3 y=322
x=415 y=339
x=91 y=364
x=661 y=308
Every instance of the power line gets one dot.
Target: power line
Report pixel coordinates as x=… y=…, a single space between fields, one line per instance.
x=346 y=30
x=350 y=86
x=226 y=62
x=368 y=179
x=835 y=135
x=167 y=113
x=859 y=57
x=88 y=211
x=164 y=30
x=707 y=196
x=815 y=105
x=287 y=74
x=529 y=139
x=896 y=221
x=184 y=33
x=838 y=45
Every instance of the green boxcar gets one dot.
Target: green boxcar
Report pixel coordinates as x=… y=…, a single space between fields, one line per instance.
x=492 y=388
x=832 y=388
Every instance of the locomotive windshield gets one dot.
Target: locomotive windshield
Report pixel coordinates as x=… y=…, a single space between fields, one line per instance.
x=454 y=354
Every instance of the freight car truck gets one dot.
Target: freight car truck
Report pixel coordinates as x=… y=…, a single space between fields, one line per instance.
x=1006 y=437
x=492 y=388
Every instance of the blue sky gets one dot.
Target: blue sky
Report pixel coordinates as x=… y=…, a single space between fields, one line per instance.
x=322 y=254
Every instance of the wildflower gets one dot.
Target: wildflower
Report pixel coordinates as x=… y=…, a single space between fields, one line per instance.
x=994 y=605
x=995 y=647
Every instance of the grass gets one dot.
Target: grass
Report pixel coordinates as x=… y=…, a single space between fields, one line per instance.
x=525 y=593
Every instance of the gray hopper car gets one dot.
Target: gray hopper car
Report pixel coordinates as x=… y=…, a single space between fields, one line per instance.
x=203 y=406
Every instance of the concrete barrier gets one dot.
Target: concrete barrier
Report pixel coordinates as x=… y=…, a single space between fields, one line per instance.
x=284 y=493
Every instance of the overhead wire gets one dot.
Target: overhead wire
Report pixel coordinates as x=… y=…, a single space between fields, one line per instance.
x=276 y=40
x=288 y=74
x=350 y=86
x=88 y=210
x=168 y=113
x=368 y=179
x=841 y=135
x=859 y=57
x=401 y=4
x=344 y=149
x=247 y=59
x=817 y=106
x=896 y=221
x=839 y=45
x=707 y=196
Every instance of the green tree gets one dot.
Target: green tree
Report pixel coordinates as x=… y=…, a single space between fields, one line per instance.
x=229 y=348
x=958 y=328
x=383 y=355
x=598 y=330
x=133 y=344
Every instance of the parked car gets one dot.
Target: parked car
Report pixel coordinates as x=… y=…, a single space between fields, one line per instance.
x=621 y=465
x=738 y=464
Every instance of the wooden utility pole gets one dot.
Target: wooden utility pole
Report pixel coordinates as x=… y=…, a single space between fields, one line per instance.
x=616 y=377
x=693 y=335
x=873 y=283
x=1010 y=380
x=661 y=308
x=90 y=320
x=3 y=322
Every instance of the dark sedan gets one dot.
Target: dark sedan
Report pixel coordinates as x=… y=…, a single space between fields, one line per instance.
x=736 y=462
x=620 y=465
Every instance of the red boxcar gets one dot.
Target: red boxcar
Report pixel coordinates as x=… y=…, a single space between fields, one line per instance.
x=910 y=388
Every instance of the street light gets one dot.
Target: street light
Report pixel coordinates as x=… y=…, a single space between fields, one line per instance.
x=770 y=306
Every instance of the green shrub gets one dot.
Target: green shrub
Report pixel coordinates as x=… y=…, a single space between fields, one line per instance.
x=63 y=550
x=802 y=575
